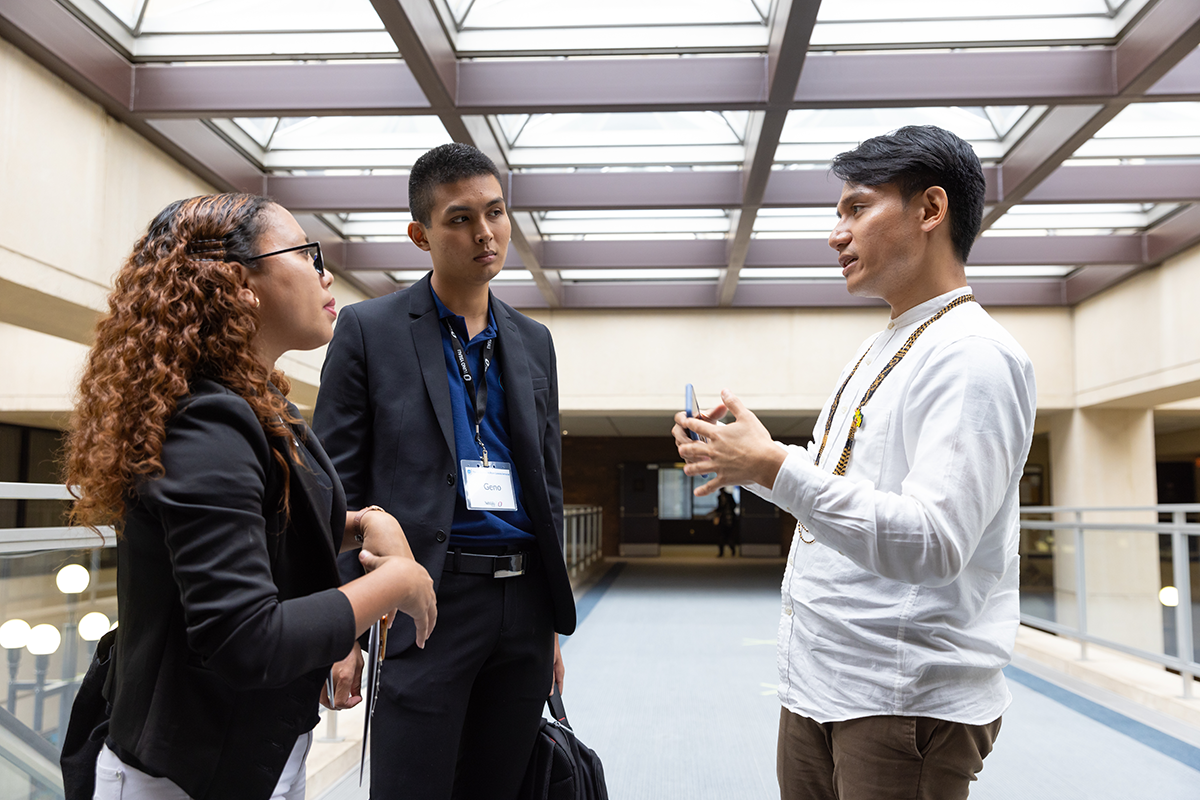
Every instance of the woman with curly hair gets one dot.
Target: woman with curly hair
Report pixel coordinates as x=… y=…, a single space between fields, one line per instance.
x=229 y=514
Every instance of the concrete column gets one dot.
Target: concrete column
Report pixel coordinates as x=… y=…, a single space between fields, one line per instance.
x=1106 y=458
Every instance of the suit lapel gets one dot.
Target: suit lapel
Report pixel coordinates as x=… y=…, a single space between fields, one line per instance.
x=518 y=387
x=427 y=338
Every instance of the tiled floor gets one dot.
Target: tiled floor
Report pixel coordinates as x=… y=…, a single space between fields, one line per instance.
x=671 y=679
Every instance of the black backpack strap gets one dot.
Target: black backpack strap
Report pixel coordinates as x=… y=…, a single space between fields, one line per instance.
x=557 y=710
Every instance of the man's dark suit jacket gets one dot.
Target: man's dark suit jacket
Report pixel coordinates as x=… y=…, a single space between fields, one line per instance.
x=230 y=615
x=383 y=413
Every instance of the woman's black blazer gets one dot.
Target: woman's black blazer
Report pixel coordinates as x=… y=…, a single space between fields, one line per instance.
x=230 y=618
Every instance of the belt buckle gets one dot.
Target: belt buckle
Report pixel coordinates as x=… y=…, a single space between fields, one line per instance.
x=516 y=563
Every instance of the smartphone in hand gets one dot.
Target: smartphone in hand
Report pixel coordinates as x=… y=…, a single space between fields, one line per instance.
x=691 y=407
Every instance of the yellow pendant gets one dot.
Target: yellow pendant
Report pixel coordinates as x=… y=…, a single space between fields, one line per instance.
x=858 y=418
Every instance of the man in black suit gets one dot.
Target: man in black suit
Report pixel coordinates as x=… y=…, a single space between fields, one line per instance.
x=440 y=403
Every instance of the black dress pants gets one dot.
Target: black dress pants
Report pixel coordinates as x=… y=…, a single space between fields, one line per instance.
x=457 y=720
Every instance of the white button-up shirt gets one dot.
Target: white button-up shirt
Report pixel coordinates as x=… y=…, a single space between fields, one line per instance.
x=908 y=602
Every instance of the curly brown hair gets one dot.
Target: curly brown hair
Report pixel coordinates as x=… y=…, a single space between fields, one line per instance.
x=174 y=315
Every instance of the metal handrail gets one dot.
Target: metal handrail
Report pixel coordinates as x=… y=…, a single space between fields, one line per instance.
x=1179 y=529
x=61 y=537
x=1166 y=508
x=34 y=491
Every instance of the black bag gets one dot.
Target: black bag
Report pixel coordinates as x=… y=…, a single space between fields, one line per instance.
x=561 y=767
x=88 y=726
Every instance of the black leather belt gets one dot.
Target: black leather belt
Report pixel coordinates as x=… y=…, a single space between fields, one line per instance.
x=508 y=565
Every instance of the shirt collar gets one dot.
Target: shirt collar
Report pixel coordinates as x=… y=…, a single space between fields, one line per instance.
x=460 y=324
x=929 y=307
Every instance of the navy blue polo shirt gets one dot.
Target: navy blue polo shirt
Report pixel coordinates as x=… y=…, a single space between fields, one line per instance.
x=480 y=527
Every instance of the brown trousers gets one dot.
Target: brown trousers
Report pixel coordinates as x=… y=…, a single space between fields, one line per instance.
x=879 y=758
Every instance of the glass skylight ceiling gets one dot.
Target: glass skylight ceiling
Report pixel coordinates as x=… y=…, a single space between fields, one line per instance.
x=162 y=29
x=316 y=144
x=630 y=139
x=875 y=24
x=817 y=135
x=1148 y=130
x=481 y=28
x=633 y=224
x=1089 y=219
x=502 y=27
x=676 y=33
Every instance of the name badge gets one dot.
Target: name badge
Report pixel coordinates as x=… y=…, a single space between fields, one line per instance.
x=488 y=488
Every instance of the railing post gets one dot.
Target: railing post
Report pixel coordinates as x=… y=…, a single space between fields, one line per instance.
x=575 y=545
x=1183 y=611
x=1080 y=584
x=597 y=533
x=331 y=731
x=591 y=535
x=570 y=546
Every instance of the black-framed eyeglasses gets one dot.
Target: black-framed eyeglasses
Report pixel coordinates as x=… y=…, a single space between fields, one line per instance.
x=315 y=253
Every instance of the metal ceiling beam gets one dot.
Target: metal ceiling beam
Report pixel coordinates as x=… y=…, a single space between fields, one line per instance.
x=226 y=162
x=62 y=43
x=635 y=255
x=1167 y=33
x=616 y=190
x=486 y=86
x=428 y=50
x=792 y=23
x=858 y=80
x=593 y=191
x=990 y=292
x=1161 y=39
x=988 y=251
x=1014 y=251
x=842 y=80
x=339 y=193
x=1181 y=82
x=613 y=84
x=273 y=90
x=1082 y=284
x=69 y=48
x=814 y=294
x=1125 y=183
x=1174 y=235
x=425 y=46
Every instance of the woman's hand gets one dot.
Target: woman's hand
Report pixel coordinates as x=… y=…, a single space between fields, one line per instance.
x=409 y=590
x=381 y=532
x=347 y=681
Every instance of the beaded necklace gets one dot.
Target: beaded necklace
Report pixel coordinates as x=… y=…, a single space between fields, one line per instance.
x=857 y=421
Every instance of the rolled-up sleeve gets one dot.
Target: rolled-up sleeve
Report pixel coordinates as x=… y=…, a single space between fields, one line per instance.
x=209 y=501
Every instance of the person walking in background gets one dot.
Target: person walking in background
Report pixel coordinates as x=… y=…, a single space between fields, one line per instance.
x=440 y=402
x=229 y=514
x=726 y=519
x=900 y=597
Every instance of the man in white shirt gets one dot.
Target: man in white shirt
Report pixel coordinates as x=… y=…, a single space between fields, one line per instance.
x=900 y=597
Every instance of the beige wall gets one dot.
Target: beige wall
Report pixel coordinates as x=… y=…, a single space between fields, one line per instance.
x=1138 y=345
x=80 y=188
x=777 y=360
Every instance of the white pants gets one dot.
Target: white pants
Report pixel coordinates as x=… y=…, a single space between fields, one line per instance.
x=116 y=780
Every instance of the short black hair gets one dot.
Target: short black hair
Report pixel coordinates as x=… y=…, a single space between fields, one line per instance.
x=917 y=157
x=447 y=163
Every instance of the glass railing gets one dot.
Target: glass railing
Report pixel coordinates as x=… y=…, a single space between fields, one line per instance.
x=1125 y=578
x=58 y=596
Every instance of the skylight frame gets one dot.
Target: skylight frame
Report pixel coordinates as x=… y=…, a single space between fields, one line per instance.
x=969 y=26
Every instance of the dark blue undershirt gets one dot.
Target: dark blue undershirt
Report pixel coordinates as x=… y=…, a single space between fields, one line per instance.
x=483 y=528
